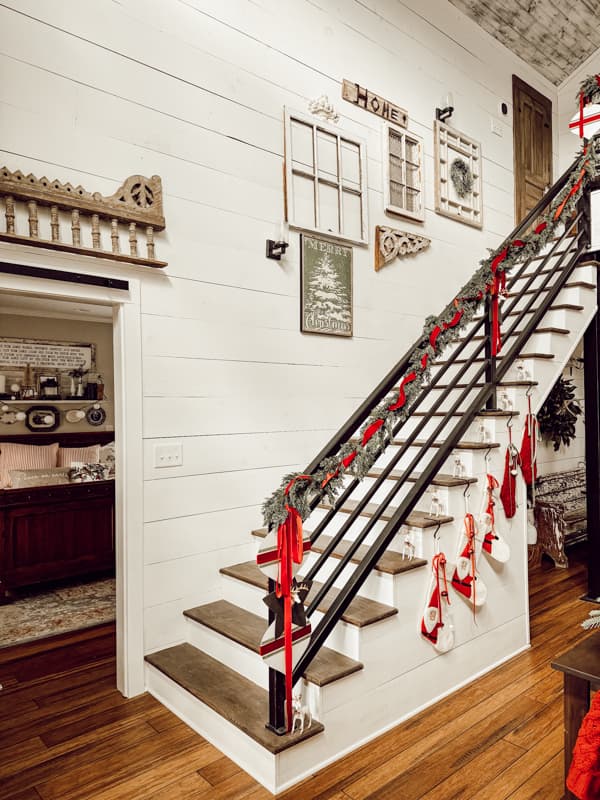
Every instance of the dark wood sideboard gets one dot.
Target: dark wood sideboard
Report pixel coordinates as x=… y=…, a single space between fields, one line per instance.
x=53 y=532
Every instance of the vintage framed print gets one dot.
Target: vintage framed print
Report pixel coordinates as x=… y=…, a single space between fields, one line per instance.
x=457 y=161
x=325 y=286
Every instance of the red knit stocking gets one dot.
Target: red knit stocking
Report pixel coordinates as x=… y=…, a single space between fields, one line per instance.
x=529 y=448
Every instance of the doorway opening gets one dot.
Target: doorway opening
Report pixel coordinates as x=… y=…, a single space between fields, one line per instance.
x=57 y=468
x=112 y=316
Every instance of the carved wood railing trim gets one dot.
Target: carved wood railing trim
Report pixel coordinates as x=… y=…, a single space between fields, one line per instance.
x=137 y=204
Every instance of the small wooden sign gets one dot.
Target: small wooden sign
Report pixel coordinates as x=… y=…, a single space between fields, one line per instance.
x=374 y=103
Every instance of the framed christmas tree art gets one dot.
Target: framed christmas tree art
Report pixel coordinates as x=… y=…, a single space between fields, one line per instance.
x=325 y=286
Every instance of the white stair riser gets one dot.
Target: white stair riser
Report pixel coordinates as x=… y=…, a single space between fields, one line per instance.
x=344 y=638
x=379 y=586
x=240 y=658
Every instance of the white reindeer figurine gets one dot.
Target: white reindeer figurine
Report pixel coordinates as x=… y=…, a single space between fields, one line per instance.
x=301 y=715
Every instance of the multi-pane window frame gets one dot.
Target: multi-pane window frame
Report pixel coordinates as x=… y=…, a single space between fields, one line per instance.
x=346 y=189
x=400 y=166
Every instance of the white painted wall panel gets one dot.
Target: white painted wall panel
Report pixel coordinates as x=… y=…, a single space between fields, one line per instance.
x=194 y=91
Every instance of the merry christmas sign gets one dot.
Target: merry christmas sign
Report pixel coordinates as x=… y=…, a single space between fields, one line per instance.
x=326 y=293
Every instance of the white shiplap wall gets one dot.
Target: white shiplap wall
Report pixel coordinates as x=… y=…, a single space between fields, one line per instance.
x=193 y=90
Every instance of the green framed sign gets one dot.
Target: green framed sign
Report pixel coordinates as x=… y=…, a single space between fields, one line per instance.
x=325 y=286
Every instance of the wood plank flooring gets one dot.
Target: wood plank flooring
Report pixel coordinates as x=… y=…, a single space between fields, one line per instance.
x=67 y=734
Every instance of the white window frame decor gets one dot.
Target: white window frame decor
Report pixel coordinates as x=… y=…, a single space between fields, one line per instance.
x=390 y=175
x=450 y=144
x=346 y=188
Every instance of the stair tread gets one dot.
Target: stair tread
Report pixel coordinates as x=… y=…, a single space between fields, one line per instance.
x=501 y=385
x=416 y=519
x=386 y=564
x=247 y=629
x=494 y=412
x=237 y=699
x=441 y=479
x=521 y=356
x=547 y=329
x=391 y=562
x=568 y=285
x=553 y=307
x=463 y=445
x=360 y=612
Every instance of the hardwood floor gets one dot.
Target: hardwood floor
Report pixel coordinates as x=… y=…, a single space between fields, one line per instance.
x=66 y=733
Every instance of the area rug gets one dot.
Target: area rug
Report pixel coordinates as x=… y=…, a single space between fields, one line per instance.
x=38 y=613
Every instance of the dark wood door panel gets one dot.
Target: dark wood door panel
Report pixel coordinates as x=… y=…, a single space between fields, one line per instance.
x=532 y=135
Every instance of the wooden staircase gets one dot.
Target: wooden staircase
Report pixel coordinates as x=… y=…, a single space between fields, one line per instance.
x=376 y=669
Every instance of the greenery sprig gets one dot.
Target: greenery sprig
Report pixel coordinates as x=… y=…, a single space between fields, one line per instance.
x=558 y=416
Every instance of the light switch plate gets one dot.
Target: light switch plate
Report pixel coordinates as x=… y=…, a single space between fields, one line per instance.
x=168 y=455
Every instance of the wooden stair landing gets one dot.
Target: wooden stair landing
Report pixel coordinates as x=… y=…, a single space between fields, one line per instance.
x=360 y=612
x=237 y=699
x=247 y=629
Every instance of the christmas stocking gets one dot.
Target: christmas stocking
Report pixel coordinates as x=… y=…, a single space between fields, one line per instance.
x=464 y=579
x=493 y=544
x=528 y=452
x=508 y=492
x=436 y=627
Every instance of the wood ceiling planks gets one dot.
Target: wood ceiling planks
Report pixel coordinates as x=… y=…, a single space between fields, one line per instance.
x=539 y=31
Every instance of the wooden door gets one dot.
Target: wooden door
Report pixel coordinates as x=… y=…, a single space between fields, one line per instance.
x=532 y=136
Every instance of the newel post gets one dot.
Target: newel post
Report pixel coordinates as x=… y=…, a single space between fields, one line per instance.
x=591 y=376
x=277 y=721
x=490 y=367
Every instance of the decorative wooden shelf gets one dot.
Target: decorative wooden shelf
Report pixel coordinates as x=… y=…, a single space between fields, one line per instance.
x=138 y=202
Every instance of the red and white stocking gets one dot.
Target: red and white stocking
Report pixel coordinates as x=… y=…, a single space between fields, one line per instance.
x=493 y=544
x=464 y=579
x=436 y=623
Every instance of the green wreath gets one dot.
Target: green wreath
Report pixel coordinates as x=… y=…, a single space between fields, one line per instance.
x=461 y=177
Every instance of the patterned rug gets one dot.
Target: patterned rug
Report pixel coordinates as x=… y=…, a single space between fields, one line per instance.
x=66 y=606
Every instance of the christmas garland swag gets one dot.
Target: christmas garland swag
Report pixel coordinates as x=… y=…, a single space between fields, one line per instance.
x=357 y=458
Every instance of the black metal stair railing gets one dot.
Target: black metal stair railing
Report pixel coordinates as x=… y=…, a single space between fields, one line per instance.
x=432 y=467
x=471 y=388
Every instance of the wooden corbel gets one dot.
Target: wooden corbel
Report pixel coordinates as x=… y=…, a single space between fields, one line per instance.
x=391 y=244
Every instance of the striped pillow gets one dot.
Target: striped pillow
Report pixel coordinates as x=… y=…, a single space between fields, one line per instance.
x=25 y=456
x=67 y=456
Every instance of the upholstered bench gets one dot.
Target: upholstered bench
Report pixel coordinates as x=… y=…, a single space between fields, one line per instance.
x=560 y=515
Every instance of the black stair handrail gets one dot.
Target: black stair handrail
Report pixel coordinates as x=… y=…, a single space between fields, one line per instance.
x=397 y=372
x=378 y=548
x=472 y=393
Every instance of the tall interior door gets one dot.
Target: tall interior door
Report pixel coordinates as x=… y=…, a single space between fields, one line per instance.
x=532 y=136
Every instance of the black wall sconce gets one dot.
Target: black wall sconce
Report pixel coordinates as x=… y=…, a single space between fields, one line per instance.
x=276 y=249
x=445 y=113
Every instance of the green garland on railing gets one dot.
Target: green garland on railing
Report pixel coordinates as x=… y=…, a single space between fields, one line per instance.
x=590 y=89
x=376 y=432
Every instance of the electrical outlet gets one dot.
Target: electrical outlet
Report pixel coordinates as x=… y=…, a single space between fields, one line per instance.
x=168 y=455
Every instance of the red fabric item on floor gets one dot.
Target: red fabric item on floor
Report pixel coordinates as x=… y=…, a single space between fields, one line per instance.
x=584 y=773
x=508 y=492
